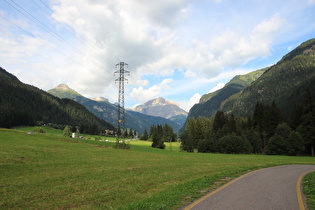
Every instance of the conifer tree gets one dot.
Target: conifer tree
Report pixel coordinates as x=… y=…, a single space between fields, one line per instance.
x=308 y=121
x=296 y=143
x=67 y=131
x=219 y=121
x=144 y=136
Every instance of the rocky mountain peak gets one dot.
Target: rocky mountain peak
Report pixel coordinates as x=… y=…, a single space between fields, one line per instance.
x=160 y=107
x=64 y=91
x=100 y=99
x=160 y=102
x=62 y=87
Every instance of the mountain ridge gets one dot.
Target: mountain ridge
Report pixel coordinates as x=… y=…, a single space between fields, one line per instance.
x=160 y=107
x=23 y=104
x=108 y=111
x=211 y=102
x=284 y=83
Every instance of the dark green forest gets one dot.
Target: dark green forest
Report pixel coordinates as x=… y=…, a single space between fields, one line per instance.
x=22 y=104
x=269 y=130
x=158 y=135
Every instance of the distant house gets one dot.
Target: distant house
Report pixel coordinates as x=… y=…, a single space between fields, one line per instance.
x=109 y=132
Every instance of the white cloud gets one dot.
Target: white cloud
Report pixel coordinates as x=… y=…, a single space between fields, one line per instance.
x=156 y=39
x=142 y=95
x=192 y=101
x=311 y=2
x=217 y=87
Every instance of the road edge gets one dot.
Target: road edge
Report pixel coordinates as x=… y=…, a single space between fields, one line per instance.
x=299 y=190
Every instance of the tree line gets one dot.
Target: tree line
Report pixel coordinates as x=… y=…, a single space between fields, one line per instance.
x=268 y=130
x=158 y=135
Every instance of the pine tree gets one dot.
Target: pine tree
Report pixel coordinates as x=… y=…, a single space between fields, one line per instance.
x=232 y=124
x=156 y=136
x=254 y=138
x=219 y=121
x=144 y=136
x=167 y=133
x=308 y=121
x=295 y=117
x=186 y=142
x=67 y=131
x=296 y=143
x=283 y=130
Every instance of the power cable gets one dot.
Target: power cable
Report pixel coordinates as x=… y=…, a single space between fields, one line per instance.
x=43 y=26
x=84 y=28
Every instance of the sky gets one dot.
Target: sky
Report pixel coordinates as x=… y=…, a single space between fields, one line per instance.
x=175 y=49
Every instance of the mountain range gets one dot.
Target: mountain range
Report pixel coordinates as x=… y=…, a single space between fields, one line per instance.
x=137 y=121
x=284 y=83
x=22 y=104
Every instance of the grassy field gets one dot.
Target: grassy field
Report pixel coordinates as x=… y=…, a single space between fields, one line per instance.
x=309 y=189
x=51 y=171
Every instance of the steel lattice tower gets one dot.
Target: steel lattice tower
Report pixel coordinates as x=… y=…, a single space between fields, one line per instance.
x=121 y=97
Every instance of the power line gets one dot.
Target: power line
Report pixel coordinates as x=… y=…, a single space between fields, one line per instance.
x=47 y=29
x=83 y=27
x=46 y=43
x=44 y=26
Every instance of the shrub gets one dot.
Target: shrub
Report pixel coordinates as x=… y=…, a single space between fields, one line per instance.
x=296 y=143
x=277 y=145
x=232 y=144
x=39 y=130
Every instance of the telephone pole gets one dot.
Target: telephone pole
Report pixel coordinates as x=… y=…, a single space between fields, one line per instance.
x=121 y=97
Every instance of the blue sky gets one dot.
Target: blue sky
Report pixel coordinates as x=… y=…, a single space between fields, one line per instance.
x=176 y=49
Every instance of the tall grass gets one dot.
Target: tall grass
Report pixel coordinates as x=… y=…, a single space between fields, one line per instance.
x=51 y=171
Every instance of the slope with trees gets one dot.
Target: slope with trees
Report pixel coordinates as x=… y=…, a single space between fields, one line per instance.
x=285 y=83
x=23 y=104
x=211 y=102
x=266 y=131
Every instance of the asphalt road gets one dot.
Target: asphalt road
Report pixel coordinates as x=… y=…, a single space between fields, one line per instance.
x=272 y=188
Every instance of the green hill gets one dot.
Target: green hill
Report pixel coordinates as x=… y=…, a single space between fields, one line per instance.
x=284 y=83
x=63 y=91
x=23 y=104
x=211 y=102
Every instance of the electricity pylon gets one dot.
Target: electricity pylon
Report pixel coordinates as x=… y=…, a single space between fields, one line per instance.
x=121 y=97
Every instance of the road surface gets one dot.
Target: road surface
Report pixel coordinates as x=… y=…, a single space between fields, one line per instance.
x=272 y=188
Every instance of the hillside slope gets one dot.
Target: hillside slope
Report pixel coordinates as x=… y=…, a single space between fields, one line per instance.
x=108 y=111
x=64 y=91
x=211 y=102
x=23 y=104
x=285 y=83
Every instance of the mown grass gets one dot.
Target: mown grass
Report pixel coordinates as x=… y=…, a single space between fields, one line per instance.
x=309 y=189
x=51 y=171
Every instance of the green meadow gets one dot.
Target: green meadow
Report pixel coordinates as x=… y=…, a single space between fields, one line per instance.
x=49 y=171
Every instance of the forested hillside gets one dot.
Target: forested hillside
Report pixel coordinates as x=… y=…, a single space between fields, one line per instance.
x=211 y=102
x=269 y=130
x=275 y=114
x=23 y=104
x=284 y=83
